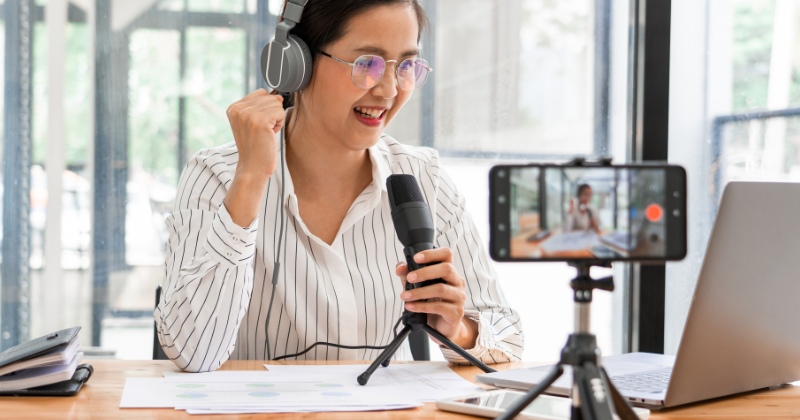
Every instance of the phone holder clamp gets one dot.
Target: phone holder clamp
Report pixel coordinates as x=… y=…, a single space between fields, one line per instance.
x=581 y=161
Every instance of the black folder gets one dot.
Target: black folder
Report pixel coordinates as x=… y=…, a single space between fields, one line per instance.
x=58 y=389
x=41 y=346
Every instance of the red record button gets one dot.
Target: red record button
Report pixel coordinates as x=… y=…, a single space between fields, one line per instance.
x=654 y=212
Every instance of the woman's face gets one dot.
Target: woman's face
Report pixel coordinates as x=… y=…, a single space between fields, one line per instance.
x=330 y=100
x=586 y=196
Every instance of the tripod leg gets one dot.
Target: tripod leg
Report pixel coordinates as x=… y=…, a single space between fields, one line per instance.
x=389 y=358
x=388 y=352
x=531 y=395
x=456 y=348
x=595 y=403
x=622 y=406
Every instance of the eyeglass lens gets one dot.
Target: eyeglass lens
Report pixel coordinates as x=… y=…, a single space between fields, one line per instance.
x=368 y=71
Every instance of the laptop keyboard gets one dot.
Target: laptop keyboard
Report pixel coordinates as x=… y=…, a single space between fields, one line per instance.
x=650 y=381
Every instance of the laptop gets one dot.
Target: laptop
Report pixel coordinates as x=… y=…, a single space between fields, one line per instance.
x=742 y=331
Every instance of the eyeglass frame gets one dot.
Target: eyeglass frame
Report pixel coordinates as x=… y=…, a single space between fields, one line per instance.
x=386 y=62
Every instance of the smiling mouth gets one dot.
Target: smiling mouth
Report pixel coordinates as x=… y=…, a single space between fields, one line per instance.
x=371 y=114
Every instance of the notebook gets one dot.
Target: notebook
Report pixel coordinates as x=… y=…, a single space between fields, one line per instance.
x=34 y=377
x=46 y=360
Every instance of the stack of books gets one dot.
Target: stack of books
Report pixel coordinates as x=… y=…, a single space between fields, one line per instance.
x=46 y=360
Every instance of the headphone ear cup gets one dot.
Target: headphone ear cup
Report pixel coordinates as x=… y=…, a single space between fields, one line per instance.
x=287 y=70
x=307 y=60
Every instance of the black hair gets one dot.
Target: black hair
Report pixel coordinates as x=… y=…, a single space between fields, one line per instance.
x=581 y=188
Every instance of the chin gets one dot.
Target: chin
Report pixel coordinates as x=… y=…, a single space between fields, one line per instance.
x=360 y=137
x=363 y=141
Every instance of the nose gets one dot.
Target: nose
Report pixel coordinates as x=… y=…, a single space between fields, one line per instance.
x=387 y=87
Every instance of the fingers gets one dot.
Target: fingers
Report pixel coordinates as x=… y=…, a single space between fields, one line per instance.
x=236 y=108
x=261 y=116
x=402 y=271
x=441 y=291
x=254 y=121
x=450 y=312
x=252 y=117
x=254 y=99
x=444 y=271
x=434 y=255
x=256 y=93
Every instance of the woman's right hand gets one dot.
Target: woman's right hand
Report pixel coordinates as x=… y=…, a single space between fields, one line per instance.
x=255 y=120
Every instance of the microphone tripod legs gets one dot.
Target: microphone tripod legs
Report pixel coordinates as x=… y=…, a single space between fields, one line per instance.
x=456 y=348
x=386 y=355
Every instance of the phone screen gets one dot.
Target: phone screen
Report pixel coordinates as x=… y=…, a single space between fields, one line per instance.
x=543 y=406
x=590 y=213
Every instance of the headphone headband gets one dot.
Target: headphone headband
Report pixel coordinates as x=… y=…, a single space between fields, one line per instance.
x=291 y=17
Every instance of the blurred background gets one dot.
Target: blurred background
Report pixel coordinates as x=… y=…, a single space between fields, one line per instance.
x=104 y=101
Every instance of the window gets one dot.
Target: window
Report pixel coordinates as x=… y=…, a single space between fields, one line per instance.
x=733 y=115
x=145 y=85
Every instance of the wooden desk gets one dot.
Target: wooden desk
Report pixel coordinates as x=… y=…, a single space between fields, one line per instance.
x=99 y=399
x=522 y=248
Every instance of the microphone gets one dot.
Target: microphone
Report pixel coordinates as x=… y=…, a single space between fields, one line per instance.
x=414 y=228
x=412 y=222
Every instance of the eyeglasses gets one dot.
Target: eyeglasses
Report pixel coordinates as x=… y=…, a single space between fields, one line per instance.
x=368 y=70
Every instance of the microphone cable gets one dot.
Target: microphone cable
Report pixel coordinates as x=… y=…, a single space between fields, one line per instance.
x=277 y=265
x=341 y=346
x=277 y=268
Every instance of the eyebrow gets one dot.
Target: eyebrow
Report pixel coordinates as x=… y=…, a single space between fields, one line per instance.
x=382 y=52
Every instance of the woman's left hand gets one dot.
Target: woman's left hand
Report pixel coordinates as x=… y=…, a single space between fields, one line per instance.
x=445 y=305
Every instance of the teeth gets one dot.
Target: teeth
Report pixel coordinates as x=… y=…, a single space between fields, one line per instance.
x=369 y=113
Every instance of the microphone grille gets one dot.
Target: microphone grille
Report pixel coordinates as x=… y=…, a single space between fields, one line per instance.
x=403 y=189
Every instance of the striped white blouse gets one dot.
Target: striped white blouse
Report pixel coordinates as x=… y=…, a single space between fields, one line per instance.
x=218 y=275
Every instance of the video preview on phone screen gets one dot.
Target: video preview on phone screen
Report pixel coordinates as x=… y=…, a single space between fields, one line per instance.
x=586 y=213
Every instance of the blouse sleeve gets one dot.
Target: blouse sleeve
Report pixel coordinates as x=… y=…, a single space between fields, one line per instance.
x=208 y=270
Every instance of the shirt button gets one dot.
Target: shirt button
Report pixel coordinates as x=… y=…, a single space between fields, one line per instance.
x=235 y=237
x=229 y=254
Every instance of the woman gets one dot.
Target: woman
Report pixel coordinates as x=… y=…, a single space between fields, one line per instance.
x=584 y=217
x=342 y=269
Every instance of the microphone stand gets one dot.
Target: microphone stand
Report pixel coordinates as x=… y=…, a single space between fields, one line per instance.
x=414 y=321
x=594 y=397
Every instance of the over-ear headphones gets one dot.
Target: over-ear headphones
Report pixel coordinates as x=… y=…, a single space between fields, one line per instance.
x=286 y=62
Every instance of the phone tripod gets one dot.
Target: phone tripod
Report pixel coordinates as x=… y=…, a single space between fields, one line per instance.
x=594 y=397
x=414 y=321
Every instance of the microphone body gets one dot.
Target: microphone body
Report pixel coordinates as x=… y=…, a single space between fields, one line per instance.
x=412 y=222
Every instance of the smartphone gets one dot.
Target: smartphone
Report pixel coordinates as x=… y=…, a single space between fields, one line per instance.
x=549 y=212
x=494 y=403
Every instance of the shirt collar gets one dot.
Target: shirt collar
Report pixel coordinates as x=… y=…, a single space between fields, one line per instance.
x=380 y=167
